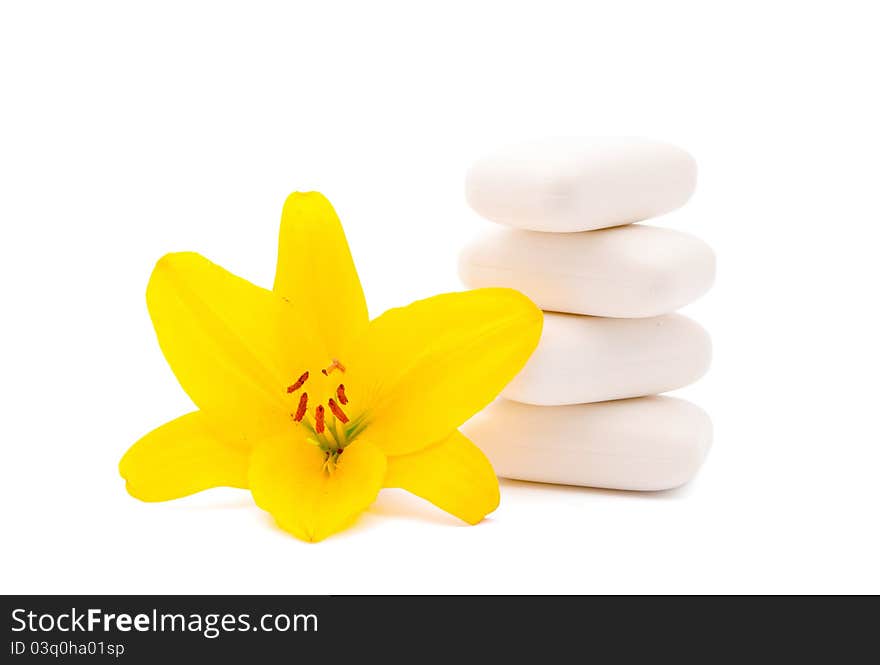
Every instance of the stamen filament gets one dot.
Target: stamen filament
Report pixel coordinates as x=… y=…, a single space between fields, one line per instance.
x=356 y=427
x=334 y=433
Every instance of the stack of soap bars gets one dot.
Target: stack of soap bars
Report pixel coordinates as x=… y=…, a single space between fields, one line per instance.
x=585 y=409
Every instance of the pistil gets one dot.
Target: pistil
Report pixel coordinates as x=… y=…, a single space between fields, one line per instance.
x=333 y=366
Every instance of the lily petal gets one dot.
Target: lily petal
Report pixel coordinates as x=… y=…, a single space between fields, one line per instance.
x=288 y=480
x=421 y=371
x=315 y=271
x=233 y=346
x=182 y=457
x=454 y=475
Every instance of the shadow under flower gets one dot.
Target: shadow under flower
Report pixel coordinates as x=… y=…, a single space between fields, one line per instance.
x=396 y=503
x=393 y=503
x=401 y=504
x=218 y=498
x=528 y=486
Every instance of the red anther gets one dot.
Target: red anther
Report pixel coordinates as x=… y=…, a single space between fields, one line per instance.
x=339 y=451
x=324 y=372
x=301 y=409
x=334 y=407
x=299 y=383
x=340 y=393
x=319 y=419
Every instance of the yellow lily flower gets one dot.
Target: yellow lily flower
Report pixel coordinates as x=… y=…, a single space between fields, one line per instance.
x=309 y=404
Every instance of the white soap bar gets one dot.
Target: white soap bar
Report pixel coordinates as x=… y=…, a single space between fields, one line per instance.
x=591 y=359
x=647 y=443
x=579 y=184
x=628 y=271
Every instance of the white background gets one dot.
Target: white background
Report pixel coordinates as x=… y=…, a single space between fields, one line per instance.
x=128 y=130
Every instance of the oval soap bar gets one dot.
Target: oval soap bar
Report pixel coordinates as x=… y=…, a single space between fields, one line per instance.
x=647 y=443
x=579 y=184
x=592 y=359
x=628 y=271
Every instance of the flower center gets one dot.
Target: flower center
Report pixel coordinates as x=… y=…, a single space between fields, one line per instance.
x=330 y=431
